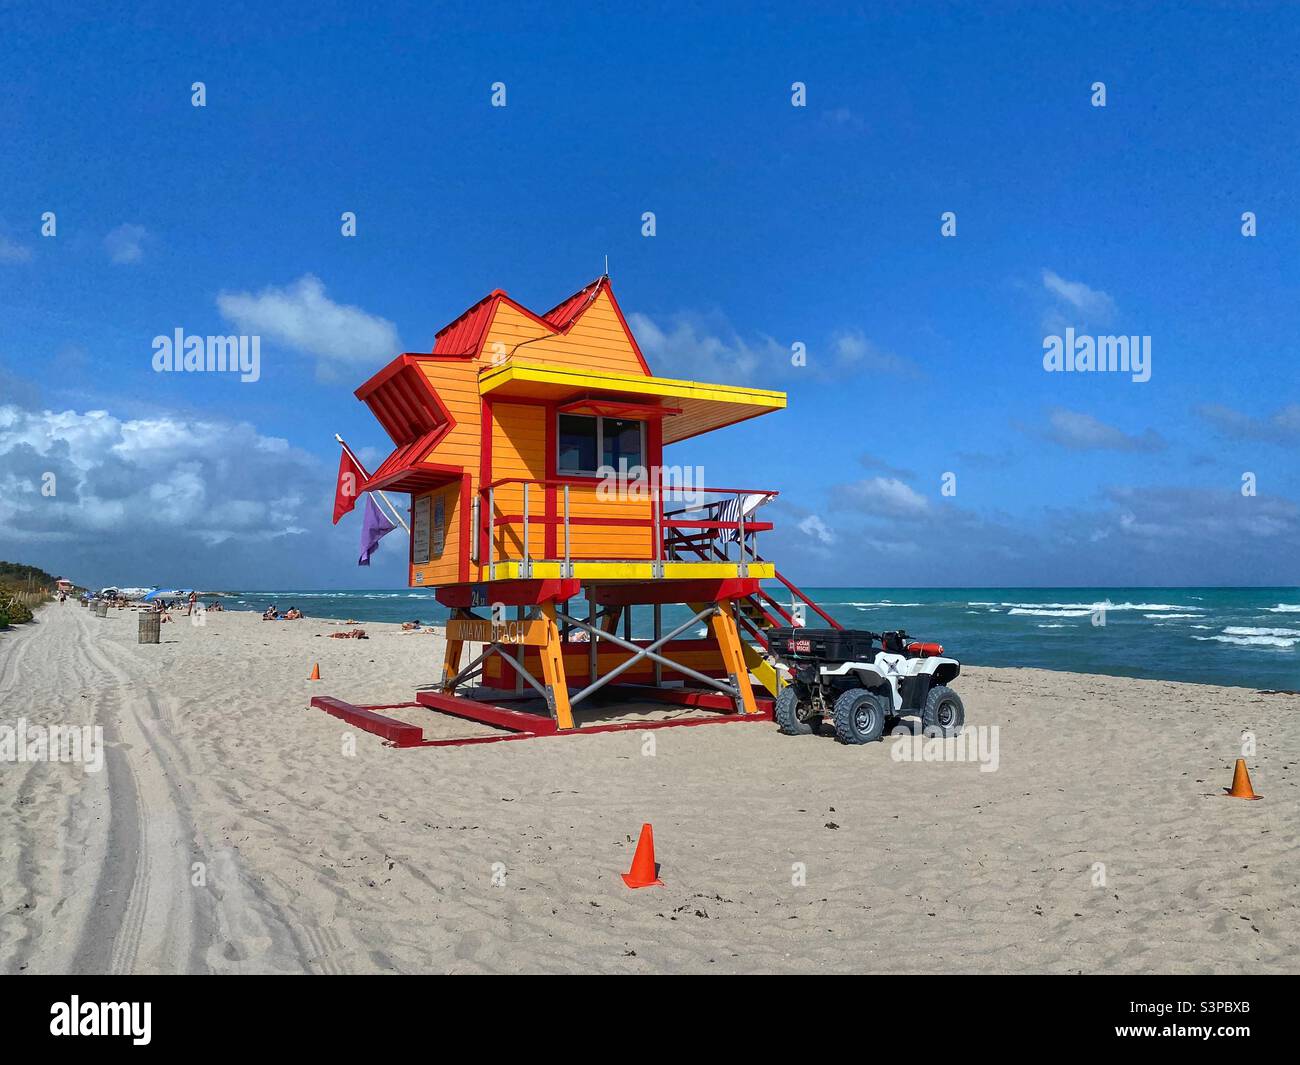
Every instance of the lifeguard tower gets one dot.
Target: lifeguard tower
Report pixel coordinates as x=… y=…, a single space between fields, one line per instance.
x=532 y=447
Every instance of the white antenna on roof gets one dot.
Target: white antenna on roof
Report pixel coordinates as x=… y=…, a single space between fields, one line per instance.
x=607 y=266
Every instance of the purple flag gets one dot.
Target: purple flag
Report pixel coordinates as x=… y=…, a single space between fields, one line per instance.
x=374 y=527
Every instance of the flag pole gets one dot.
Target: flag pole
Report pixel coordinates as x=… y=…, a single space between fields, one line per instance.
x=372 y=495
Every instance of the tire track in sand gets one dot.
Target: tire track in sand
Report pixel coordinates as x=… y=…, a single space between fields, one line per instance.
x=147 y=916
x=110 y=940
x=47 y=799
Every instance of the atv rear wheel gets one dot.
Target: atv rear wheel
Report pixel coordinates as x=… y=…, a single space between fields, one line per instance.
x=943 y=713
x=788 y=705
x=859 y=716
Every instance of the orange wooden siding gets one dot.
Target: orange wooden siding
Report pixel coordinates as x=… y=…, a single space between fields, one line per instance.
x=605 y=541
x=457 y=386
x=519 y=442
x=596 y=341
x=443 y=567
x=519 y=450
x=456 y=383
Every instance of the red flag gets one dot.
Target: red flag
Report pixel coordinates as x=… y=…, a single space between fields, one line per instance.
x=351 y=478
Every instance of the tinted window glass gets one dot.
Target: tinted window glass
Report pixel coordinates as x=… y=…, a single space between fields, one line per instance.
x=577 y=444
x=622 y=442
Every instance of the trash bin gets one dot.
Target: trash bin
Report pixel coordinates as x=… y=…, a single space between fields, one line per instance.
x=150 y=626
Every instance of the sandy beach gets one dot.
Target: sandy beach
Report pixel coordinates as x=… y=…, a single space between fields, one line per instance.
x=234 y=829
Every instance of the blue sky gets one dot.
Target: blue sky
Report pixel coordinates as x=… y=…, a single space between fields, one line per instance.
x=775 y=225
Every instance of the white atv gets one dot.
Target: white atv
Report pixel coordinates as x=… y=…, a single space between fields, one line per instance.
x=864 y=682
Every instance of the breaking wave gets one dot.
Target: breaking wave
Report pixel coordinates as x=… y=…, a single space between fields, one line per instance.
x=1253 y=641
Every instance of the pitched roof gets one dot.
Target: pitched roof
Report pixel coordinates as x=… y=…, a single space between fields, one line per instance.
x=464 y=336
x=401 y=398
x=406 y=471
x=566 y=311
x=407 y=404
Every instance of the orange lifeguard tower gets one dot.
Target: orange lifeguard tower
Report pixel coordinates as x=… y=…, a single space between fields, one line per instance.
x=532 y=447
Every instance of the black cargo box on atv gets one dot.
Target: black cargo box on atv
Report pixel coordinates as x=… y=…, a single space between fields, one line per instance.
x=823 y=645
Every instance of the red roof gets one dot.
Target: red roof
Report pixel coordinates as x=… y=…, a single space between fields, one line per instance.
x=566 y=311
x=404 y=402
x=408 y=407
x=464 y=336
x=404 y=470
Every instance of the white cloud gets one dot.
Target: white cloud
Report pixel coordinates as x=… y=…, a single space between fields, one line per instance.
x=1215 y=518
x=887 y=495
x=13 y=253
x=1088 y=301
x=704 y=348
x=813 y=526
x=125 y=243
x=160 y=484
x=1083 y=432
x=1280 y=427
x=853 y=351
x=302 y=317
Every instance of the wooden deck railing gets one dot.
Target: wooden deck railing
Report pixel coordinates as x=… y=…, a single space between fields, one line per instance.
x=673 y=536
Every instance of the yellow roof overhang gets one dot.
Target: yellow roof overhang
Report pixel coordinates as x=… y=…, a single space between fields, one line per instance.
x=703 y=407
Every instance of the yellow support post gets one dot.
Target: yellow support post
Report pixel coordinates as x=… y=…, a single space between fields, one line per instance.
x=761 y=668
x=451 y=662
x=733 y=657
x=553 y=670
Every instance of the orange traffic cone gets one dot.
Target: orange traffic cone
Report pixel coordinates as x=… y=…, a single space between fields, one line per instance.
x=644 y=871
x=1241 y=788
x=315 y=671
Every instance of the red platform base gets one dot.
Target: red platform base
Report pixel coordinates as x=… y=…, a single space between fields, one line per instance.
x=520 y=725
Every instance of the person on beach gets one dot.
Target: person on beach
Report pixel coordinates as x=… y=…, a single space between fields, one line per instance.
x=271 y=614
x=193 y=599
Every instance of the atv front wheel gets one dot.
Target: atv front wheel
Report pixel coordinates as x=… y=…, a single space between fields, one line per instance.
x=859 y=716
x=787 y=717
x=943 y=713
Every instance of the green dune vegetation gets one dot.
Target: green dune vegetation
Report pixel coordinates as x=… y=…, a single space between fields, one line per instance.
x=21 y=587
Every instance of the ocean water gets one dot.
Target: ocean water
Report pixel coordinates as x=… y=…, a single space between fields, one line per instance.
x=1237 y=636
